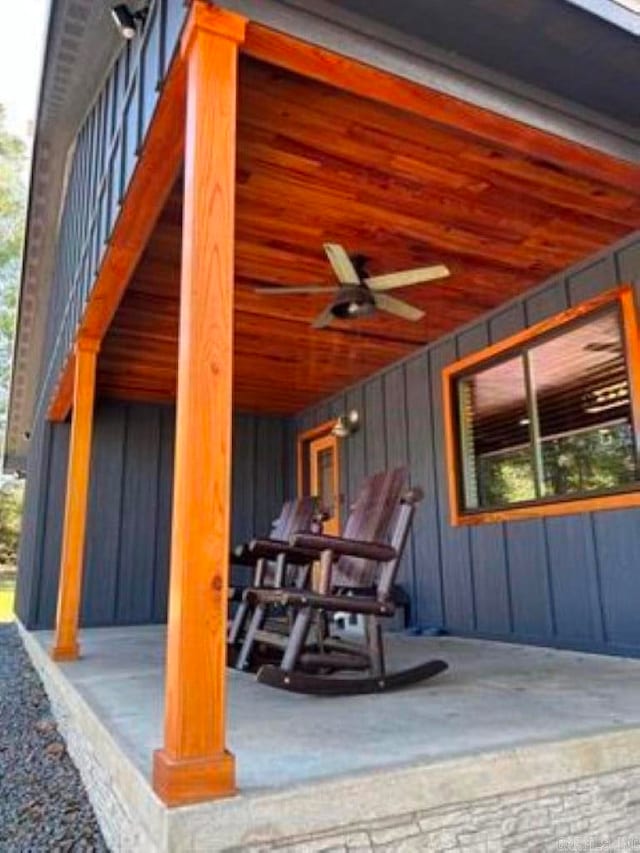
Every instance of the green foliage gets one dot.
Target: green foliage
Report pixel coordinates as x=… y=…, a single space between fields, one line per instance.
x=13 y=195
x=594 y=460
x=506 y=478
x=11 y=498
x=597 y=460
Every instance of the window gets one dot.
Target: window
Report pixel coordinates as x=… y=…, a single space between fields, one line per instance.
x=547 y=422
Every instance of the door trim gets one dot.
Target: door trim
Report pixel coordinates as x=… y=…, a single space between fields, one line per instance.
x=304 y=440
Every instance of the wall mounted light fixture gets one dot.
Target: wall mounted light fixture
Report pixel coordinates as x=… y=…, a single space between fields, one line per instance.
x=346 y=425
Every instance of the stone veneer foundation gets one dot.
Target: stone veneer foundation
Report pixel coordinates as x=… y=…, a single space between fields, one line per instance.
x=576 y=794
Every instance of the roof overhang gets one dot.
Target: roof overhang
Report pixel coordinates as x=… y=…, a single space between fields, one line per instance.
x=621 y=13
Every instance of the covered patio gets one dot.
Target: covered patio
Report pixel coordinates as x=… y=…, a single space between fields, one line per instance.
x=231 y=193
x=505 y=721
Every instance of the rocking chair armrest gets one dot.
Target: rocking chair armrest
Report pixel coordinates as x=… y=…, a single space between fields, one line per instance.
x=366 y=605
x=247 y=555
x=271 y=549
x=348 y=604
x=241 y=556
x=378 y=551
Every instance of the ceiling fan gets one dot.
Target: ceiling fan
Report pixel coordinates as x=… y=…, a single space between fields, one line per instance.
x=358 y=294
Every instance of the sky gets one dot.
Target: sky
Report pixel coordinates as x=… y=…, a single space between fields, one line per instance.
x=21 y=47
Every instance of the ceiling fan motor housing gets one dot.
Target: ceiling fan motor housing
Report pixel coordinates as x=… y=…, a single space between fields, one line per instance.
x=353 y=301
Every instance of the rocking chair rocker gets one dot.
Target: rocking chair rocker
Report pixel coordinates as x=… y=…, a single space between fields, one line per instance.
x=311 y=655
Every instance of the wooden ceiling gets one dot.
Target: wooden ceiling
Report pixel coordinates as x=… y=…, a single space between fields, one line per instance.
x=316 y=164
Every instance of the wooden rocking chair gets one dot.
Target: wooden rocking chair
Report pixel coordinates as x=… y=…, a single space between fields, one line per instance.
x=297 y=516
x=349 y=584
x=310 y=653
x=368 y=520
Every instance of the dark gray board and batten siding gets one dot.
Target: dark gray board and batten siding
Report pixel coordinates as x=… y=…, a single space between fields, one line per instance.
x=104 y=157
x=571 y=581
x=129 y=515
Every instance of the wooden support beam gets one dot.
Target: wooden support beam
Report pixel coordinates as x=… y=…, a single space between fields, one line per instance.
x=194 y=764
x=65 y=645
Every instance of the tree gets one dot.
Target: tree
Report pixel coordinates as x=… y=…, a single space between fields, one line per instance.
x=13 y=196
x=11 y=496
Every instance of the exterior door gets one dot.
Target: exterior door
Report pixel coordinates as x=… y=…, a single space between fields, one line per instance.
x=323 y=476
x=319 y=476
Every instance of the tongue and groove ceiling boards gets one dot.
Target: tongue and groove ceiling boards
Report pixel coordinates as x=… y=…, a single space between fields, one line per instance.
x=315 y=165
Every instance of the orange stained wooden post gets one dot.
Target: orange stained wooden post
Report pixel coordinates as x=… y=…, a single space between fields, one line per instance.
x=65 y=645
x=194 y=764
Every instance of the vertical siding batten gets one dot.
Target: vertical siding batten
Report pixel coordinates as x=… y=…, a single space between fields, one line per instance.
x=396 y=441
x=52 y=521
x=139 y=508
x=493 y=609
x=356 y=464
x=163 y=524
x=427 y=607
x=105 y=503
x=455 y=542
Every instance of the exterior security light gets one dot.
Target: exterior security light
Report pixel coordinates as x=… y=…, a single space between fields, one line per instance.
x=127 y=21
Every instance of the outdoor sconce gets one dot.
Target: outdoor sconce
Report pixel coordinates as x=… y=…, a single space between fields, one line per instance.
x=127 y=21
x=346 y=425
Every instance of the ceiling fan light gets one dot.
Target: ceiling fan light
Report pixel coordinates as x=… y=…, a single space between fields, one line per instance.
x=353 y=302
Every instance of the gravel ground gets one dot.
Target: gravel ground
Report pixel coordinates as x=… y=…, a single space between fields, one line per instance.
x=43 y=804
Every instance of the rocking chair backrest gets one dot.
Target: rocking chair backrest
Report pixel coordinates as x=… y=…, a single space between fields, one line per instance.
x=400 y=529
x=369 y=521
x=295 y=517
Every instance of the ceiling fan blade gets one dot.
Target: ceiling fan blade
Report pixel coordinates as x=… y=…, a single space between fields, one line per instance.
x=398 y=307
x=323 y=319
x=287 y=291
x=402 y=279
x=341 y=263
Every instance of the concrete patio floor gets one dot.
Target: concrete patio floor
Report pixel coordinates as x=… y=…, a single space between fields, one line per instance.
x=493 y=697
x=516 y=737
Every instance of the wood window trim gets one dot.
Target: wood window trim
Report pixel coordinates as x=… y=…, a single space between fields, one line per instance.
x=624 y=296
